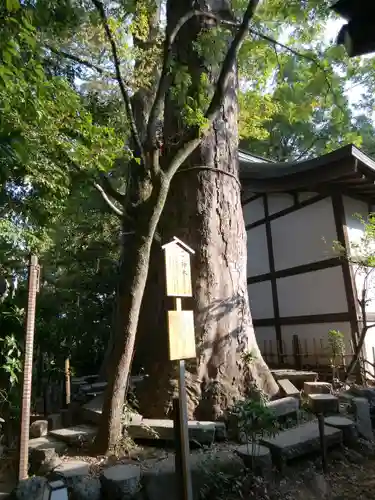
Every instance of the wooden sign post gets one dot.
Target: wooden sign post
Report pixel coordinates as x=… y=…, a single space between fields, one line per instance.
x=181 y=347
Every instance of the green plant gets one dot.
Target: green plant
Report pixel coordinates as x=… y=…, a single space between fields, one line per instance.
x=337 y=347
x=256 y=421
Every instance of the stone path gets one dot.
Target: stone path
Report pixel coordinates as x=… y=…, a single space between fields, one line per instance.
x=299 y=441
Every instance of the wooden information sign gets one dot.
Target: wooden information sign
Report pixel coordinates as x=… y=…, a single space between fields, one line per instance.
x=181 y=347
x=177 y=267
x=181 y=335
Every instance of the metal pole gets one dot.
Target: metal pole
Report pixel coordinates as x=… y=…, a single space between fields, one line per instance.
x=185 y=450
x=33 y=283
x=67 y=382
x=322 y=442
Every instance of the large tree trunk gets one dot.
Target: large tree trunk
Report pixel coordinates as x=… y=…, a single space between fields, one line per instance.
x=204 y=210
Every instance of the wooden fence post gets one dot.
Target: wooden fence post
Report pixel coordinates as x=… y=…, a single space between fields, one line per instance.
x=297 y=352
x=33 y=286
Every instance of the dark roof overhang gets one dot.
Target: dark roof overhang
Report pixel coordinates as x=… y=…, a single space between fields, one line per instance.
x=347 y=170
x=358 y=35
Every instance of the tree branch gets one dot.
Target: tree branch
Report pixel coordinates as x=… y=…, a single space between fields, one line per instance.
x=161 y=90
x=221 y=86
x=80 y=60
x=126 y=98
x=111 y=190
x=109 y=203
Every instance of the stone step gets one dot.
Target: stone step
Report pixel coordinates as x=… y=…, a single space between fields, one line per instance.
x=323 y=403
x=300 y=441
x=283 y=407
x=297 y=377
x=74 y=435
x=202 y=432
x=92 y=411
x=317 y=388
x=47 y=442
x=288 y=388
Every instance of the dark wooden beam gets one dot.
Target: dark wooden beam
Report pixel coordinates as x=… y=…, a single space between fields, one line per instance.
x=342 y=236
x=287 y=211
x=275 y=300
x=293 y=271
x=251 y=198
x=311 y=319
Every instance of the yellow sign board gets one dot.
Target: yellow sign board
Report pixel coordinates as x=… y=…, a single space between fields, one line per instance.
x=181 y=335
x=178 y=270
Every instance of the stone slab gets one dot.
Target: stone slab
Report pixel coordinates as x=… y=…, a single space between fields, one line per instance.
x=323 y=403
x=288 y=388
x=300 y=441
x=74 y=435
x=258 y=458
x=361 y=408
x=202 y=432
x=121 y=481
x=284 y=406
x=347 y=426
x=297 y=377
x=47 y=442
x=317 y=388
x=92 y=411
x=160 y=482
x=72 y=469
x=38 y=428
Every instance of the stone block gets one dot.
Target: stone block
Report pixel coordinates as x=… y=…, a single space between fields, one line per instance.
x=54 y=421
x=159 y=478
x=297 y=377
x=75 y=435
x=288 y=388
x=347 y=426
x=72 y=469
x=202 y=432
x=300 y=441
x=39 y=428
x=317 y=388
x=257 y=458
x=43 y=461
x=121 y=481
x=84 y=488
x=91 y=412
x=361 y=409
x=288 y=406
x=323 y=403
x=47 y=442
x=30 y=489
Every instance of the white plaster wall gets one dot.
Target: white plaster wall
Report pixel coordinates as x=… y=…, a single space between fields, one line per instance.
x=257 y=251
x=316 y=292
x=363 y=277
x=369 y=351
x=304 y=236
x=306 y=196
x=313 y=340
x=253 y=211
x=279 y=201
x=260 y=297
x=266 y=338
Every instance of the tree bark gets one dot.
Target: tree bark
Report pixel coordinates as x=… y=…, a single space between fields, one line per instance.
x=133 y=276
x=204 y=210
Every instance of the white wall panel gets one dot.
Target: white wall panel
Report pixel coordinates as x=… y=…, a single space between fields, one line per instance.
x=257 y=251
x=279 y=201
x=356 y=231
x=313 y=340
x=316 y=292
x=306 y=196
x=253 y=211
x=266 y=338
x=260 y=297
x=304 y=236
